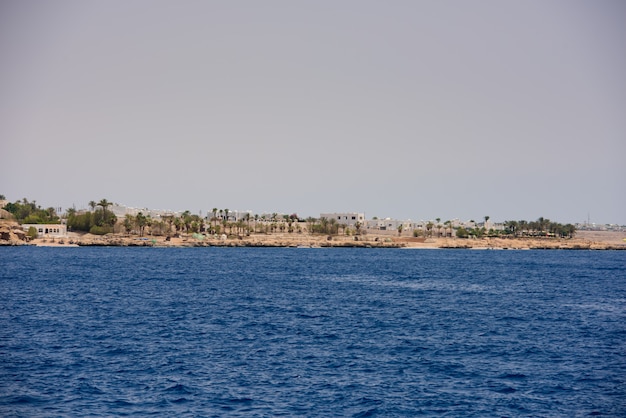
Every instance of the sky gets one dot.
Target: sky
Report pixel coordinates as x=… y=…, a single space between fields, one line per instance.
x=402 y=109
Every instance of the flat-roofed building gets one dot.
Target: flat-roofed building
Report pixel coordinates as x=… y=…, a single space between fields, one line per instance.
x=347 y=218
x=47 y=230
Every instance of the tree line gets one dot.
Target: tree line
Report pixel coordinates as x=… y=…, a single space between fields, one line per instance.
x=542 y=227
x=98 y=221
x=26 y=212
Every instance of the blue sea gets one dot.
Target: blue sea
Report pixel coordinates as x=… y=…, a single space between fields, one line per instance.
x=311 y=332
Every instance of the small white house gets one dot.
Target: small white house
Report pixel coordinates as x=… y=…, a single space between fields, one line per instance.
x=48 y=230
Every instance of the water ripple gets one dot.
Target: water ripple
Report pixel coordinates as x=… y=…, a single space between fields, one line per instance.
x=293 y=332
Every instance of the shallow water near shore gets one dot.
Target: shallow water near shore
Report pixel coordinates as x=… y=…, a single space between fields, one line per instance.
x=311 y=332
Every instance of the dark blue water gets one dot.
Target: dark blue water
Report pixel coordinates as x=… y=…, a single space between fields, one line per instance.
x=311 y=332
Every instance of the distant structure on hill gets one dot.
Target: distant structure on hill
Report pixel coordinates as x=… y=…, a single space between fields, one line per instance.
x=120 y=211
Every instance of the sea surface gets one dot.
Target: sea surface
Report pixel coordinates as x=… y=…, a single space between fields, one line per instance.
x=311 y=332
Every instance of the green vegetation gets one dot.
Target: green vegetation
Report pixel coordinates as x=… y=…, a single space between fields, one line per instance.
x=32 y=232
x=100 y=230
x=521 y=229
x=540 y=228
x=462 y=232
x=98 y=221
x=26 y=212
x=331 y=227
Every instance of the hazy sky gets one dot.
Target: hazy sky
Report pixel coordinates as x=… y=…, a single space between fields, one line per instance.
x=403 y=109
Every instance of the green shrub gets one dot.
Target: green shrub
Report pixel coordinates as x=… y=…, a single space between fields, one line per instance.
x=100 y=230
x=32 y=232
x=462 y=233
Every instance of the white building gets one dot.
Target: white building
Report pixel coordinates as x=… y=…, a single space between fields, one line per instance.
x=47 y=230
x=349 y=218
x=389 y=224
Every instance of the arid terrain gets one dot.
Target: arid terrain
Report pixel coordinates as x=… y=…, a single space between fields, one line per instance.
x=594 y=240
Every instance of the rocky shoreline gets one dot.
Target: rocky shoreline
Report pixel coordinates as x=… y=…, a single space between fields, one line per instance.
x=307 y=241
x=12 y=234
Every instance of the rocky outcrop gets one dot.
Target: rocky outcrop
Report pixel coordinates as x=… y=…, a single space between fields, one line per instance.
x=12 y=234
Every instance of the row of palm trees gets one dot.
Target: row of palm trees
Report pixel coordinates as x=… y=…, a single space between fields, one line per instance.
x=220 y=221
x=540 y=227
x=515 y=229
x=430 y=228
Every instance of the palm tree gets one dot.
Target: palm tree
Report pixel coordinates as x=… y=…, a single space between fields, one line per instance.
x=310 y=221
x=512 y=226
x=178 y=223
x=523 y=227
x=238 y=225
x=92 y=204
x=448 y=224
x=141 y=222
x=429 y=228
x=129 y=220
x=186 y=219
x=214 y=210
x=543 y=224
x=332 y=226
x=149 y=222
x=156 y=226
x=105 y=220
x=169 y=219
x=105 y=204
x=324 y=225
x=247 y=218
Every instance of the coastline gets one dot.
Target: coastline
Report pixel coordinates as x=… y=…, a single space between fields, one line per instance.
x=584 y=240
x=11 y=234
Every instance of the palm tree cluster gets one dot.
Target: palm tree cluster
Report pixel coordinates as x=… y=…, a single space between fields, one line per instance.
x=97 y=221
x=430 y=229
x=223 y=221
x=218 y=221
x=326 y=226
x=542 y=227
